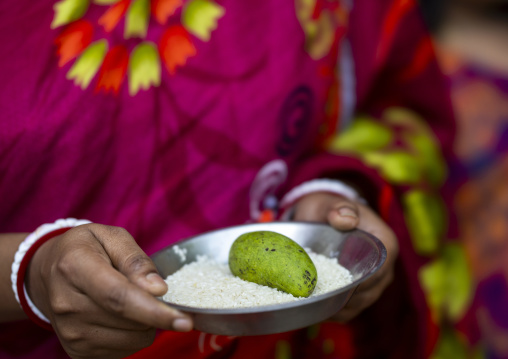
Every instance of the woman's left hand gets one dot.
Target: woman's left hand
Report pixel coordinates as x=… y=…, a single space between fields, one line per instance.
x=344 y=214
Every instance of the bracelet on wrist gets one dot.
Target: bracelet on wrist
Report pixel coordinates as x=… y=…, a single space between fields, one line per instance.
x=22 y=258
x=317 y=185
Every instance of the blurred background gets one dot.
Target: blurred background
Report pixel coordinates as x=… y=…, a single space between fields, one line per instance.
x=471 y=41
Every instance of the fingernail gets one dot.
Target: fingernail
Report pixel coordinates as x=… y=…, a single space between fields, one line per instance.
x=347 y=212
x=155 y=280
x=182 y=325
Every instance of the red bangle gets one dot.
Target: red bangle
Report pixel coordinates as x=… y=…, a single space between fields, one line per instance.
x=21 y=276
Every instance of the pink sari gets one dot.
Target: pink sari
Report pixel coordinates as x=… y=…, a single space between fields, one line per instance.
x=187 y=118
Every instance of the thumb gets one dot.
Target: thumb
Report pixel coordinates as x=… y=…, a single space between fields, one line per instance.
x=338 y=211
x=344 y=215
x=130 y=259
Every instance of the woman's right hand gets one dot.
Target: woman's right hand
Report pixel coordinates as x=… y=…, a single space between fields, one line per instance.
x=98 y=288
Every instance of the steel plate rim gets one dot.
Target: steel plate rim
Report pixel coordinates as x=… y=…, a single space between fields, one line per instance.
x=287 y=305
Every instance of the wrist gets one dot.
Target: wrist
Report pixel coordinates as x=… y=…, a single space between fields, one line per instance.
x=34 y=283
x=23 y=257
x=324 y=185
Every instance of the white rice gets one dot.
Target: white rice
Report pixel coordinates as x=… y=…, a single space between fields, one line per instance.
x=206 y=283
x=180 y=252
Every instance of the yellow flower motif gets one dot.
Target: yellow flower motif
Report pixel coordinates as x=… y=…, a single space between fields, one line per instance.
x=144 y=68
x=320 y=27
x=454 y=344
x=143 y=64
x=398 y=166
x=447 y=283
x=423 y=140
x=402 y=147
x=363 y=135
x=200 y=17
x=426 y=220
x=136 y=20
x=67 y=11
x=87 y=65
x=304 y=10
x=374 y=142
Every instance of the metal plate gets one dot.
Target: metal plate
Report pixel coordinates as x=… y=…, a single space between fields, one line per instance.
x=361 y=253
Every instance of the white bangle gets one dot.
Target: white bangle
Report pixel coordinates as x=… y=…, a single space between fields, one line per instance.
x=26 y=244
x=318 y=185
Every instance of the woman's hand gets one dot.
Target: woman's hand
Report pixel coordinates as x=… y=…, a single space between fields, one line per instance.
x=98 y=289
x=344 y=215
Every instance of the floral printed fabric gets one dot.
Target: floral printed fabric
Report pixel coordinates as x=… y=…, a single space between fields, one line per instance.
x=480 y=99
x=141 y=62
x=141 y=113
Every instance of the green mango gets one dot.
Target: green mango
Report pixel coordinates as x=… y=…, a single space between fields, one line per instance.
x=272 y=259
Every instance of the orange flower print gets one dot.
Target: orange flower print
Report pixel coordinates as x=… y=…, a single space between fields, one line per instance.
x=112 y=63
x=113 y=15
x=175 y=47
x=88 y=63
x=73 y=40
x=113 y=69
x=163 y=9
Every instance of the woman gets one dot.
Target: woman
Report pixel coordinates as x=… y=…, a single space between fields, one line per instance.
x=166 y=119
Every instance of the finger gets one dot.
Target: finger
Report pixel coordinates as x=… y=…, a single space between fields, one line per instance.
x=102 y=354
x=357 y=304
x=129 y=258
x=90 y=270
x=364 y=296
x=107 y=342
x=381 y=279
x=71 y=304
x=344 y=215
x=345 y=315
x=112 y=291
x=312 y=208
x=327 y=208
